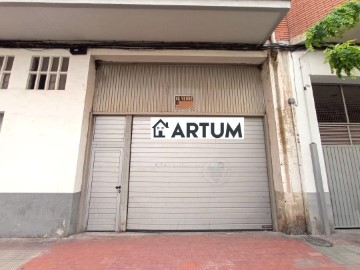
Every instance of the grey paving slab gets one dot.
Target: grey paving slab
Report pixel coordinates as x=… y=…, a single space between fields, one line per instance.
x=13 y=259
x=16 y=252
x=345 y=250
x=342 y=254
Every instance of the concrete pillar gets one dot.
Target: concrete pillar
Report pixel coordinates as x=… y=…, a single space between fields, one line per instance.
x=284 y=144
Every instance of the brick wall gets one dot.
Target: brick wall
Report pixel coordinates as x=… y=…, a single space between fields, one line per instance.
x=282 y=31
x=304 y=14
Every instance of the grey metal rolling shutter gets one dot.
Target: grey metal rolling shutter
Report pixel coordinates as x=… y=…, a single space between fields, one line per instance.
x=198 y=185
x=141 y=88
x=105 y=173
x=343 y=171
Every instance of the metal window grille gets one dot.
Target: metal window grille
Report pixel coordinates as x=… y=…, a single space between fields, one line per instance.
x=338 y=113
x=48 y=73
x=352 y=100
x=6 y=63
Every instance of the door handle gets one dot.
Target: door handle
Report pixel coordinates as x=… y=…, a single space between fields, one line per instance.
x=118 y=188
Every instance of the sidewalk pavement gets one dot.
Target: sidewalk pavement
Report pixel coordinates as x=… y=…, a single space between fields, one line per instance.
x=181 y=251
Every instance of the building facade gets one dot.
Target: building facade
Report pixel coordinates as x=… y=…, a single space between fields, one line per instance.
x=80 y=96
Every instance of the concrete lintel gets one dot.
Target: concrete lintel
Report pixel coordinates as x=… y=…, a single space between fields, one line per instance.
x=180 y=56
x=299 y=39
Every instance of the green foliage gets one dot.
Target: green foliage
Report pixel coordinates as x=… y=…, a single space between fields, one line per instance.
x=343 y=57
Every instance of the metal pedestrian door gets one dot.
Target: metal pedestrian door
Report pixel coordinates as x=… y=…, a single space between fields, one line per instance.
x=105 y=174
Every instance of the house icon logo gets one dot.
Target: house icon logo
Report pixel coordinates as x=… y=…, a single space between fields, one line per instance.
x=158 y=129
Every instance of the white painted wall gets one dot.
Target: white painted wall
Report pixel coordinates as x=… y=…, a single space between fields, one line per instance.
x=306 y=117
x=42 y=130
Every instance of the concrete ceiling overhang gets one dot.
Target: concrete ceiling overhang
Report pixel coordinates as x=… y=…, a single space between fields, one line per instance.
x=353 y=34
x=227 y=21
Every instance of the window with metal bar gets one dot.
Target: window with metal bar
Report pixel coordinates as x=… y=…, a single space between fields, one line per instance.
x=1 y=119
x=6 y=63
x=48 y=73
x=338 y=113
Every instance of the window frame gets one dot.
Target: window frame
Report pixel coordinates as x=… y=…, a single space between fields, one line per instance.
x=2 y=115
x=48 y=73
x=4 y=72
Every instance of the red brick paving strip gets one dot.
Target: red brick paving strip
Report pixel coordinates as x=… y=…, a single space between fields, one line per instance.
x=181 y=252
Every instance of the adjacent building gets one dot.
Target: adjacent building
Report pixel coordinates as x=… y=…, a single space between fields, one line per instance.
x=329 y=109
x=83 y=84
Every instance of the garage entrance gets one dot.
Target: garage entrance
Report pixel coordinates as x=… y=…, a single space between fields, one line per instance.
x=198 y=185
x=182 y=185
